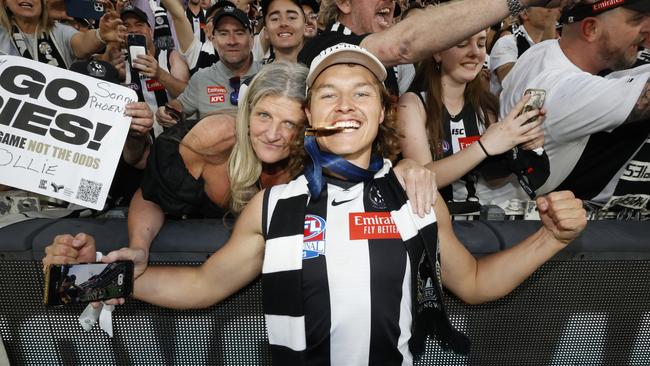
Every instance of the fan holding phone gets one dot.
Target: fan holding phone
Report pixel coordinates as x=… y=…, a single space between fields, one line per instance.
x=154 y=72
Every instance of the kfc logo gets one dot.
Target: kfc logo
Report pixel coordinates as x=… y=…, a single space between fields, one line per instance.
x=220 y=98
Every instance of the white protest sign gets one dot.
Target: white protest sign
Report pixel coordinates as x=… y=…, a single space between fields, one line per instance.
x=61 y=132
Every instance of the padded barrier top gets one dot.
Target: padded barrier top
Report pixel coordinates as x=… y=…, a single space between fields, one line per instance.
x=194 y=240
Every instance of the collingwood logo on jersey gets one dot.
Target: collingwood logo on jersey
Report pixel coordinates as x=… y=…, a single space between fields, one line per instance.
x=375 y=198
x=313 y=243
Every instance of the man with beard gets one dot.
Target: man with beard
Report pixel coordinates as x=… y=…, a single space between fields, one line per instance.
x=594 y=124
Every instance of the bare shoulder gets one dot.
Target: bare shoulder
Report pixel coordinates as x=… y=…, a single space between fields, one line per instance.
x=411 y=109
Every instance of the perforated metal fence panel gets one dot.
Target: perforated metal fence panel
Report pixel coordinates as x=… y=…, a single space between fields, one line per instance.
x=568 y=313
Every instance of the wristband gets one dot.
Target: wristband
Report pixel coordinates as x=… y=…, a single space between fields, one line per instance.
x=99 y=37
x=515 y=7
x=483 y=148
x=98 y=256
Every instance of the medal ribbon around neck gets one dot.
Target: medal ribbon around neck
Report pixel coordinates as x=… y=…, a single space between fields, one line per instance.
x=335 y=164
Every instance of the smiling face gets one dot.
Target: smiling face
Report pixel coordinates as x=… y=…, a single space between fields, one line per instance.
x=347 y=96
x=367 y=16
x=232 y=42
x=25 y=9
x=462 y=62
x=311 y=21
x=274 y=122
x=285 y=24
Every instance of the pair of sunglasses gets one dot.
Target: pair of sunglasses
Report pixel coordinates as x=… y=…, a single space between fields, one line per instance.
x=235 y=84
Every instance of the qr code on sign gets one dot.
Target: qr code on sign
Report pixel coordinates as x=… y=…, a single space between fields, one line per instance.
x=88 y=191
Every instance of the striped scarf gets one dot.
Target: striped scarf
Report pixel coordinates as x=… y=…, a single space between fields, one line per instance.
x=282 y=271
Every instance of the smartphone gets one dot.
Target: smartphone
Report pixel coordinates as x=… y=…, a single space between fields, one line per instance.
x=86 y=282
x=137 y=45
x=84 y=9
x=536 y=101
x=175 y=114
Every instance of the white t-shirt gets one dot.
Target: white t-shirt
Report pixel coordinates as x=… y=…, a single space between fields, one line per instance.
x=505 y=51
x=191 y=55
x=578 y=103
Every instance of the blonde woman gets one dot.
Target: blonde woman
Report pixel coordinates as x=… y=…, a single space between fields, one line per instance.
x=26 y=30
x=192 y=173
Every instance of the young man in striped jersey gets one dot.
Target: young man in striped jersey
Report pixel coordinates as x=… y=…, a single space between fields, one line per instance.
x=350 y=276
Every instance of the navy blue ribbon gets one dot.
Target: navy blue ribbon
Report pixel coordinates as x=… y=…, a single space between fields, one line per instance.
x=335 y=164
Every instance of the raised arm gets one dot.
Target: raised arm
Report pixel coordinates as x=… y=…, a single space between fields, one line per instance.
x=85 y=44
x=136 y=146
x=225 y=272
x=428 y=31
x=174 y=80
x=184 y=32
x=498 y=138
x=494 y=276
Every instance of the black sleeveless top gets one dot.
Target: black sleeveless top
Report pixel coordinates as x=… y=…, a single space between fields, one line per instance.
x=168 y=183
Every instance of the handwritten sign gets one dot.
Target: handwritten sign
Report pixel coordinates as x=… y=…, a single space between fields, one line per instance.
x=61 y=132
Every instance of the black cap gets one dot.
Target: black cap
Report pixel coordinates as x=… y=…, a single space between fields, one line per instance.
x=135 y=11
x=313 y=4
x=97 y=69
x=582 y=11
x=232 y=11
x=218 y=5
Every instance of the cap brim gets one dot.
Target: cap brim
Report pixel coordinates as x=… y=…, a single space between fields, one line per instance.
x=217 y=18
x=640 y=6
x=347 y=56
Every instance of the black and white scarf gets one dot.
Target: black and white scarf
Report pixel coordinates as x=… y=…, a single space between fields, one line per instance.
x=162 y=33
x=46 y=48
x=282 y=271
x=523 y=41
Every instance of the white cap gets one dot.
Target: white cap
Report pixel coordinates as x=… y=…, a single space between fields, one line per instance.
x=345 y=53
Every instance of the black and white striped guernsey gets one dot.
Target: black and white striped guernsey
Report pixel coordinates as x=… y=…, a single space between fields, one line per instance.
x=337 y=280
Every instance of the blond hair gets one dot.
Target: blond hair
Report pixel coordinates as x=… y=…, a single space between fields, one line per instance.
x=244 y=167
x=328 y=14
x=7 y=21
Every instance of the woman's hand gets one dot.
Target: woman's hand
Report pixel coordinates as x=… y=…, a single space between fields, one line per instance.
x=419 y=184
x=513 y=131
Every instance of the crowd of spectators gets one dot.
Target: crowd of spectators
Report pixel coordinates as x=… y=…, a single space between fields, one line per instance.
x=452 y=113
x=201 y=56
